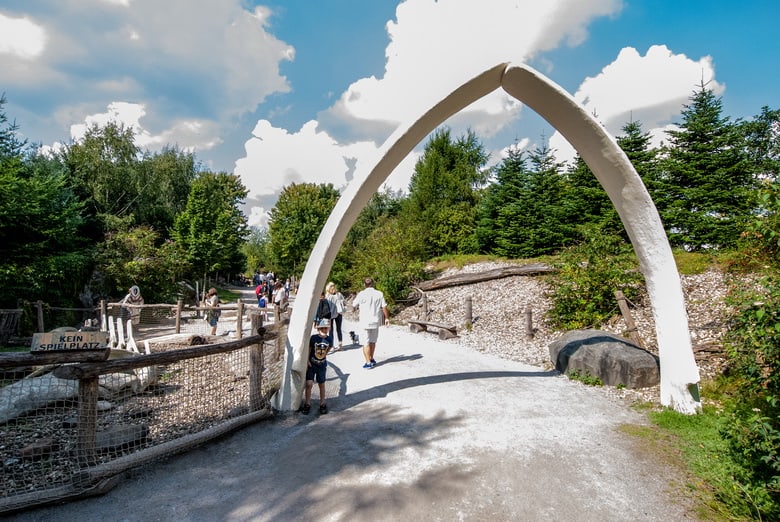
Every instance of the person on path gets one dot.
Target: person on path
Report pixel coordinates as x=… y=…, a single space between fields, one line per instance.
x=280 y=298
x=319 y=346
x=213 y=312
x=337 y=308
x=373 y=312
x=129 y=303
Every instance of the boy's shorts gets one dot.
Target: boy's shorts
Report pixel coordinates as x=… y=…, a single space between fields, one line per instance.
x=318 y=371
x=371 y=335
x=213 y=321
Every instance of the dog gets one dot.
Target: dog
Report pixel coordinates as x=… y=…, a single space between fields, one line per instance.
x=354 y=337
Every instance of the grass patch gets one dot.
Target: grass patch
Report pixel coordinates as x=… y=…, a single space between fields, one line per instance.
x=706 y=456
x=692 y=263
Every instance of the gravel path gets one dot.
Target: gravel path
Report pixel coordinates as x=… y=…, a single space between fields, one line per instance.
x=437 y=431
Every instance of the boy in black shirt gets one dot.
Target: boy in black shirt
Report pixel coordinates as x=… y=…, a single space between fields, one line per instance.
x=319 y=346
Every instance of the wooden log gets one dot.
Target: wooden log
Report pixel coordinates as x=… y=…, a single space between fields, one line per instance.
x=468 y=278
x=633 y=331
x=91 y=475
x=42 y=358
x=81 y=371
x=415 y=327
x=445 y=331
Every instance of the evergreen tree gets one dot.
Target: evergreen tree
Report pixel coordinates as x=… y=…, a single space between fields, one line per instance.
x=444 y=191
x=703 y=187
x=522 y=215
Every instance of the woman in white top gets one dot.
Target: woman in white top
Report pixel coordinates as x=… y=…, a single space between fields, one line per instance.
x=337 y=307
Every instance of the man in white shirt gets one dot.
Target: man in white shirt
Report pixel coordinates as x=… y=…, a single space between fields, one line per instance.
x=373 y=312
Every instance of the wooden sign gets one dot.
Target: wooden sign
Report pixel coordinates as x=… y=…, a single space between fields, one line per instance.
x=68 y=341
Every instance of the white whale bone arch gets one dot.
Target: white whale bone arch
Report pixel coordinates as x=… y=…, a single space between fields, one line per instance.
x=679 y=373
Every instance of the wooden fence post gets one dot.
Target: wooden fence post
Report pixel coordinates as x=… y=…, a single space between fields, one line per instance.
x=529 y=323
x=87 y=430
x=255 y=367
x=239 y=319
x=469 y=317
x=633 y=331
x=424 y=307
x=39 y=306
x=179 y=306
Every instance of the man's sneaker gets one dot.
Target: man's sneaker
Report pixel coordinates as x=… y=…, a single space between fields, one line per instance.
x=323 y=409
x=367 y=366
x=373 y=363
x=306 y=409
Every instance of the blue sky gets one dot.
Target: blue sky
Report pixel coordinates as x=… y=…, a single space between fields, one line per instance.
x=307 y=91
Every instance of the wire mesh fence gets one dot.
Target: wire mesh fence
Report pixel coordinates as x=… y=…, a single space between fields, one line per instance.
x=64 y=428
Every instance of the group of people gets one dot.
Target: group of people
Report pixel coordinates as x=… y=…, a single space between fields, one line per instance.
x=373 y=313
x=270 y=290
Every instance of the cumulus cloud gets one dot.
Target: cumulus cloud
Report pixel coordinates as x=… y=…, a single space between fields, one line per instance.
x=433 y=48
x=650 y=89
x=21 y=38
x=207 y=64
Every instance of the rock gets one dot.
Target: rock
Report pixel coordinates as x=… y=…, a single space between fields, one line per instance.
x=609 y=357
x=39 y=449
x=121 y=437
x=30 y=394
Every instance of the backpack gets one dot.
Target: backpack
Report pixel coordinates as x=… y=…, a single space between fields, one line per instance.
x=258 y=289
x=323 y=310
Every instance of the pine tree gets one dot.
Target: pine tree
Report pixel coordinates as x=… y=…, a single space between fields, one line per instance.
x=703 y=187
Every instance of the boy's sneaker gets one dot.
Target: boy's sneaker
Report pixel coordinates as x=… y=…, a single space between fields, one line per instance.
x=323 y=409
x=373 y=363
x=367 y=366
x=306 y=409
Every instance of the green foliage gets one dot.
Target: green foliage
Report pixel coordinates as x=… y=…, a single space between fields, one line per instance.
x=212 y=229
x=444 y=191
x=257 y=249
x=43 y=254
x=133 y=257
x=521 y=214
x=588 y=274
x=585 y=378
x=703 y=188
x=391 y=255
x=752 y=427
x=296 y=222
x=706 y=455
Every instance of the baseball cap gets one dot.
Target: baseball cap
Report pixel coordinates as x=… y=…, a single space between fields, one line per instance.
x=323 y=323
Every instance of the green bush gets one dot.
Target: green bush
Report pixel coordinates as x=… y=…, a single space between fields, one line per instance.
x=582 y=290
x=753 y=424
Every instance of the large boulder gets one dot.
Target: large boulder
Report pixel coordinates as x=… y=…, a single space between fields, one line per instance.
x=611 y=358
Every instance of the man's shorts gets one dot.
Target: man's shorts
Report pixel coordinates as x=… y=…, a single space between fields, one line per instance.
x=318 y=371
x=371 y=335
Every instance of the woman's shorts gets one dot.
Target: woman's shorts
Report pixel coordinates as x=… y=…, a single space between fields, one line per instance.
x=318 y=371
